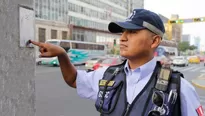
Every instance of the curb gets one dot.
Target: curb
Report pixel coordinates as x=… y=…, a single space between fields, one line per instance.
x=197 y=85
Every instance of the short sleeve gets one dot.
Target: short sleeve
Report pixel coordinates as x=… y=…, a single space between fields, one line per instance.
x=87 y=83
x=189 y=99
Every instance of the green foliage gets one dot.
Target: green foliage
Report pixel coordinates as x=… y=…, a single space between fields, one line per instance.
x=192 y=47
x=183 y=46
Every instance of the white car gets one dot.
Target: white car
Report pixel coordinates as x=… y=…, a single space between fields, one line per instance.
x=180 y=61
x=90 y=63
x=38 y=61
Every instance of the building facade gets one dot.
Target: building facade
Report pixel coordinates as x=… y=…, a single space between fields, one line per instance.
x=174 y=31
x=186 y=38
x=197 y=41
x=84 y=20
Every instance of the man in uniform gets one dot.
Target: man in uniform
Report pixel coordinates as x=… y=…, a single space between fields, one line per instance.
x=138 y=87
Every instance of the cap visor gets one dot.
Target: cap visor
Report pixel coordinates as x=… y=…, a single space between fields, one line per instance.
x=117 y=27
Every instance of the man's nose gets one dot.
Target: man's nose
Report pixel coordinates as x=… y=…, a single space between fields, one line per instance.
x=124 y=36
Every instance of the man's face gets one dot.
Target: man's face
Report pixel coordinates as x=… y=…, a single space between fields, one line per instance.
x=136 y=43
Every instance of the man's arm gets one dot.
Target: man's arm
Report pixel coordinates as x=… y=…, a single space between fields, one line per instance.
x=190 y=104
x=68 y=70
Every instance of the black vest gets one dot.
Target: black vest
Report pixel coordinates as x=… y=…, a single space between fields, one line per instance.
x=114 y=102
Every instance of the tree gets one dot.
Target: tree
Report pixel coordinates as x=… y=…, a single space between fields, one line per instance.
x=115 y=50
x=192 y=47
x=183 y=46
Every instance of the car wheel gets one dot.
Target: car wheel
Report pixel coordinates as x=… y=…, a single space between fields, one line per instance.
x=56 y=65
x=89 y=70
x=39 y=63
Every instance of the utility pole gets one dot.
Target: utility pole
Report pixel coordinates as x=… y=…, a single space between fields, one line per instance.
x=17 y=72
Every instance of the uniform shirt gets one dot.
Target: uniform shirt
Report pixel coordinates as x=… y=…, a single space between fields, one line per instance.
x=87 y=86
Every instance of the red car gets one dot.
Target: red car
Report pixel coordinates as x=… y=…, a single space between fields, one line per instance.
x=107 y=62
x=202 y=58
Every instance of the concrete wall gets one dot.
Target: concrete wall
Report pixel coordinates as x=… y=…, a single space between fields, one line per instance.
x=17 y=65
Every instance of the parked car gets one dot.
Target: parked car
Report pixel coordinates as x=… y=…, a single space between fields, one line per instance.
x=194 y=59
x=107 y=62
x=90 y=63
x=180 y=61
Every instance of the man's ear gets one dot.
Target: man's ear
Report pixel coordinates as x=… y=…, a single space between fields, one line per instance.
x=156 y=41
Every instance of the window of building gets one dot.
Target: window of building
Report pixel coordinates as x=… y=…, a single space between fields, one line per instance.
x=42 y=34
x=82 y=37
x=82 y=9
x=53 y=34
x=64 y=34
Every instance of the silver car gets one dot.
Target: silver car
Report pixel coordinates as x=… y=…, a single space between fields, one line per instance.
x=180 y=61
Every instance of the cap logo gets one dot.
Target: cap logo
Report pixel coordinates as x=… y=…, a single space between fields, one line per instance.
x=131 y=16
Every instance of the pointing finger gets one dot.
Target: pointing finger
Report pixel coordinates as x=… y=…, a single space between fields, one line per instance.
x=36 y=43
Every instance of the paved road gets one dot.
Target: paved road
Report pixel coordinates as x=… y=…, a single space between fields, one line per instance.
x=193 y=71
x=55 y=98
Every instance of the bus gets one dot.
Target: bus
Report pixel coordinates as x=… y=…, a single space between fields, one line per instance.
x=78 y=51
x=166 y=49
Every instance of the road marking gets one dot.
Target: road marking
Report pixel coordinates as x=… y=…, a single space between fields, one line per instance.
x=202 y=97
x=186 y=69
x=200 y=76
x=196 y=69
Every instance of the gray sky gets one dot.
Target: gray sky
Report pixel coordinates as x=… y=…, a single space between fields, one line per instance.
x=185 y=9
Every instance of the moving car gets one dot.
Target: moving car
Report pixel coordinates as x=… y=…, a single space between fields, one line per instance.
x=107 y=62
x=202 y=58
x=90 y=63
x=194 y=59
x=180 y=61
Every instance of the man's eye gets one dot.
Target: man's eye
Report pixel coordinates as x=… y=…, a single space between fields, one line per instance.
x=132 y=31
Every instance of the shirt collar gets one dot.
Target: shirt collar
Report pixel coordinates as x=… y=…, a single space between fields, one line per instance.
x=144 y=70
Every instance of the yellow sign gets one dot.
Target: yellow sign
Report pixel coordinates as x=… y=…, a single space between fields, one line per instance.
x=103 y=82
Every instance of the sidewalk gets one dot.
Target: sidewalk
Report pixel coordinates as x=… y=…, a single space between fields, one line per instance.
x=199 y=81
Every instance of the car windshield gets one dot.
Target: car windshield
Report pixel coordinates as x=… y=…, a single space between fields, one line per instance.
x=178 y=58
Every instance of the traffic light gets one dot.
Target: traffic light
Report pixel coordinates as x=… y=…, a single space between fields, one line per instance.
x=199 y=19
x=176 y=21
x=114 y=42
x=181 y=21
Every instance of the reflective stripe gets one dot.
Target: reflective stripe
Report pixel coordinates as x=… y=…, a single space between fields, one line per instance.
x=152 y=28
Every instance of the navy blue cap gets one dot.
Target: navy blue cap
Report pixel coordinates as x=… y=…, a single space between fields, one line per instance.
x=139 y=19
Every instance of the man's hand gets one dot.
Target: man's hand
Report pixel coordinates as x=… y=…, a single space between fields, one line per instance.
x=49 y=50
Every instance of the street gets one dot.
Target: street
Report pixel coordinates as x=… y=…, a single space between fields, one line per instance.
x=55 y=98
